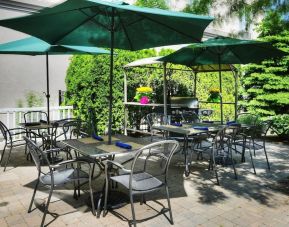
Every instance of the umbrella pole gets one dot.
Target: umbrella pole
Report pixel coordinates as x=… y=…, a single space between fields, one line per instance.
x=220 y=84
x=47 y=88
x=236 y=93
x=165 y=91
x=195 y=85
x=111 y=77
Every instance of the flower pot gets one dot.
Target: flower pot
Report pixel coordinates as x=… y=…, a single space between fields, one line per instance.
x=214 y=97
x=144 y=100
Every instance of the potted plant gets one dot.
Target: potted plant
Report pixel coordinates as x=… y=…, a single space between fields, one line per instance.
x=143 y=95
x=214 y=95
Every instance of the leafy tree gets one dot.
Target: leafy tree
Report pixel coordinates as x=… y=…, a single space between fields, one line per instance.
x=248 y=11
x=266 y=86
x=161 y=4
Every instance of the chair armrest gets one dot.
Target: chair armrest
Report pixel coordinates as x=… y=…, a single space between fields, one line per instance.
x=20 y=128
x=119 y=166
x=17 y=131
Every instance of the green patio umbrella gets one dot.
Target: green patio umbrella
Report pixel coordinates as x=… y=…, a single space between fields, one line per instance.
x=224 y=50
x=112 y=25
x=34 y=46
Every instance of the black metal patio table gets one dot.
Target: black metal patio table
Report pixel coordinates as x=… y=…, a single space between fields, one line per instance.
x=100 y=151
x=187 y=130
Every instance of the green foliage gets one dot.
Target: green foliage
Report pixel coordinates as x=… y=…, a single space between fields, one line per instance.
x=199 y=7
x=87 y=84
x=161 y=4
x=266 y=86
x=247 y=11
x=272 y=24
x=88 y=79
x=33 y=99
x=207 y=81
x=280 y=125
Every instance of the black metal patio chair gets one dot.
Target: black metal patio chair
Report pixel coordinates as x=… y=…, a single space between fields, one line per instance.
x=13 y=138
x=253 y=138
x=148 y=173
x=58 y=174
x=219 y=150
x=155 y=119
x=35 y=116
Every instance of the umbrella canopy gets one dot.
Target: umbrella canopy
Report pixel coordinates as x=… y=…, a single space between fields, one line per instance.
x=34 y=46
x=224 y=50
x=113 y=25
x=87 y=22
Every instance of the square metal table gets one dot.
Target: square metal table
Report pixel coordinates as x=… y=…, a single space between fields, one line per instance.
x=187 y=130
x=97 y=150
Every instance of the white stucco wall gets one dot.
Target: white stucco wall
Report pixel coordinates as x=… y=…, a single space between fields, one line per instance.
x=20 y=74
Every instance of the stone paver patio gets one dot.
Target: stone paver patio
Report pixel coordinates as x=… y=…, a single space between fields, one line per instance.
x=252 y=200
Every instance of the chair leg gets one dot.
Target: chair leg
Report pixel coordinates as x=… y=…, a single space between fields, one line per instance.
x=78 y=181
x=33 y=196
x=233 y=163
x=8 y=159
x=214 y=167
x=265 y=151
x=251 y=156
x=143 y=199
x=105 y=194
x=46 y=207
x=132 y=209
x=3 y=152
x=25 y=148
x=91 y=193
x=253 y=143
x=169 y=205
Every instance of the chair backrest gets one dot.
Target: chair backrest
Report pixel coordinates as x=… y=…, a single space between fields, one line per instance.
x=5 y=132
x=37 y=154
x=35 y=116
x=155 y=119
x=72 y=129
x=223 y=139
x=154 y=159
x=57 y=128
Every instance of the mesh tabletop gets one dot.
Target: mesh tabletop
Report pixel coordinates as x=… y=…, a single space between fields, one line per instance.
x=37 y=125
x=94 y=148
x=187 y=129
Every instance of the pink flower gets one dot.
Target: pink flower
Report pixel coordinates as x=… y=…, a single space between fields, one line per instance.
x=144 y=100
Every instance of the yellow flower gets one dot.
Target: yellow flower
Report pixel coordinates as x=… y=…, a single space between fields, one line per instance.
x=214 y=90
x=144 y=90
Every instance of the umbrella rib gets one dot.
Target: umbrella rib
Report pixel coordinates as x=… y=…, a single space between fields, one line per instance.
x=165 y=25
x=125 y=31
x=232 y=48
x=94 y=21
x=203 y=49
x=64 y=35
